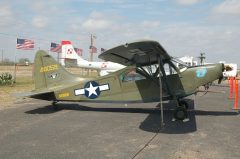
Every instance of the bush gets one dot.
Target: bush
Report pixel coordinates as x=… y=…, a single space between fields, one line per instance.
x=6 y=79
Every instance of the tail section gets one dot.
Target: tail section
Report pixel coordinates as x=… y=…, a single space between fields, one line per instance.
x=68 y=52
x=49 y=73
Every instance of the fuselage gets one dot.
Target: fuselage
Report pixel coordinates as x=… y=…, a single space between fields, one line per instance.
x=131 y=85
x=100 y=65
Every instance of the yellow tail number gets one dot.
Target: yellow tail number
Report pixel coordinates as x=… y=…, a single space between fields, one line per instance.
x=49 y=68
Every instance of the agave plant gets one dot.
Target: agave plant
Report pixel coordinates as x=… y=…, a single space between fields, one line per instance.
x=6 y=78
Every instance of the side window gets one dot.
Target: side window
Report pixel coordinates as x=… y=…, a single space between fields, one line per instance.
x=131 y=75
x=169 y=70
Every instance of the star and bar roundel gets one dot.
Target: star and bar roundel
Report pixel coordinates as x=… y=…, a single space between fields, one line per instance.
x=92 y=89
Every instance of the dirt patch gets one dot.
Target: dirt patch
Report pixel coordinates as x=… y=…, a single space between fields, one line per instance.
x=25 y=82
x=189 y=154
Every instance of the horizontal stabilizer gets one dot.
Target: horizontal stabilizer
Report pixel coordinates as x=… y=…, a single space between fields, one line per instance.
x=47 y=95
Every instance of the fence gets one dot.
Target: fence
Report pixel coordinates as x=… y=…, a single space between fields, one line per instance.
x=27 y=71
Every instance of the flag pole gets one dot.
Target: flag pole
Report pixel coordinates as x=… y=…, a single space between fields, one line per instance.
x=2 y=57
x=15 y=66
x=91 y=50
x=58 y=56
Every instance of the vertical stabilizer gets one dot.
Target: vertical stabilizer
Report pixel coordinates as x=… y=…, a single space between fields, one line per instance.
x=68 y=52
x=49 y=73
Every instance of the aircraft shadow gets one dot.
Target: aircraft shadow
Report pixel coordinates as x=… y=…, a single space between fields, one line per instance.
x=152 y=122
x=49 y=109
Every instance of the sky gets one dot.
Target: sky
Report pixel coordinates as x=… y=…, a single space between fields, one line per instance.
x=182 y=27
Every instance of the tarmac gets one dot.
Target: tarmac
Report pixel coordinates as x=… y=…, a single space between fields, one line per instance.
x=32 y=129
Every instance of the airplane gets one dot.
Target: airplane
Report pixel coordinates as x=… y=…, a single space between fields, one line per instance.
x=104 y=68
x=132 y=84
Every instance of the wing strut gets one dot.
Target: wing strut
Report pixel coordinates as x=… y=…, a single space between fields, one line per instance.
x=160 y=91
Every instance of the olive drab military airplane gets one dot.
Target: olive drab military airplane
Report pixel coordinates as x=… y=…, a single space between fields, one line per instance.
x=139 y=81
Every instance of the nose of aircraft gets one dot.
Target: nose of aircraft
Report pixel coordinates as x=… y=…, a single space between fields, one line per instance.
x=209 y=73
x=221 y=76
x=217 y=72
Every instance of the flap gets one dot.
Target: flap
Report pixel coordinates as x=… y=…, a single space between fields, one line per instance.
x=136 y=53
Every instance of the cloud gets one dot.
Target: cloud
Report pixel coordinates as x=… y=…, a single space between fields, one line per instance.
x=97 y=15
x=150 y=24
x=96 y=24
x=100 y=21
x=6 y=15
x=187 y=2
x=94 y=1
x=217 y=42
x=38 y=6
x=40 y=21
x=105 y=1
x=5 y=11
x=228 y=7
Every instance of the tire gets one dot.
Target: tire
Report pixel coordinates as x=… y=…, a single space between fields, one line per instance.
x=55 y=106
x=180 y=113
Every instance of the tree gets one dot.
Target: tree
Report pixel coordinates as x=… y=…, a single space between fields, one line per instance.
x=7 y=62
x=24 y=61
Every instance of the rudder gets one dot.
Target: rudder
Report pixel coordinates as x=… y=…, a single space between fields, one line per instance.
x=48 y=72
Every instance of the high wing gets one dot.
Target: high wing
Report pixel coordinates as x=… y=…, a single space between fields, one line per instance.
x=136 y=53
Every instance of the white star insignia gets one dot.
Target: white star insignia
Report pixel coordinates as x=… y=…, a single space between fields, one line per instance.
x=91 y=90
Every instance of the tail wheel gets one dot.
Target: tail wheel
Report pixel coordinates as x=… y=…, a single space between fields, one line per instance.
x=183 y=104
x=180 y=113
x=55 y=106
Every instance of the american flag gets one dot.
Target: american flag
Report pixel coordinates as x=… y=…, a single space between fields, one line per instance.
x=94 y=36
x=25 y=44
x=103 y=50
x=78 y=51
x=55 y=47
x=93 y=49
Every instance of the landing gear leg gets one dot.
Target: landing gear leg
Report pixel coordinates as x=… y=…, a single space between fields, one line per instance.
x=180 y=113
x=183 y=103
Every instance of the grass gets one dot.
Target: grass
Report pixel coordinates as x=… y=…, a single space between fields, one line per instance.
x=23 y=84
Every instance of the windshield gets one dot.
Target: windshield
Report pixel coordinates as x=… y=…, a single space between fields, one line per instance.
x=179 y=64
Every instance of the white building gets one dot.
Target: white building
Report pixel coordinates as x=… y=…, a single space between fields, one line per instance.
x=188 y=60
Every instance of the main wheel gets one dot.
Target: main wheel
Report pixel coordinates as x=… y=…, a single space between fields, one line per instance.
x=180 y=113
x=184 y=104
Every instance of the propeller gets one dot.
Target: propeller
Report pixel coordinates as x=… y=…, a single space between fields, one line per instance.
x=220 y=80
x=221 y=77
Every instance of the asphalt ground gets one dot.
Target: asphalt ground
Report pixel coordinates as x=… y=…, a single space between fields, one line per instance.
x=32 y=129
